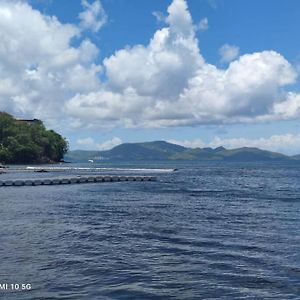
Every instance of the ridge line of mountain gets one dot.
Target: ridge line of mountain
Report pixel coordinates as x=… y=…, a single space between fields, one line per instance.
x=162 y=150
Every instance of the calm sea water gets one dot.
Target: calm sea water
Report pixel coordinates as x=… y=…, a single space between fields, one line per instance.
x=207 y=231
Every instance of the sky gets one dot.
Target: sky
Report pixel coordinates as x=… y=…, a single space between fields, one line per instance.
x=199 y=73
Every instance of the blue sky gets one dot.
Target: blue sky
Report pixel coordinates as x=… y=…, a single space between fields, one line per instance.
x=252 y=25
x=193 y=72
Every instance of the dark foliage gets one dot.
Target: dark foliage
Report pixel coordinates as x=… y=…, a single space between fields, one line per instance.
x=29 y=142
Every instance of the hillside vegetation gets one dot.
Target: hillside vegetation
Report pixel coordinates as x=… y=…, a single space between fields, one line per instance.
x=29 y=142
x=161 y=150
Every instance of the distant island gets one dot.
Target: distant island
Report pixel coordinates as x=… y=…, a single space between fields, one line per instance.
x=28 y=141
x=161 y=150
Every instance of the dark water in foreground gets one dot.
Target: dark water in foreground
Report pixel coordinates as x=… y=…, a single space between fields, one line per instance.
x=208 y=231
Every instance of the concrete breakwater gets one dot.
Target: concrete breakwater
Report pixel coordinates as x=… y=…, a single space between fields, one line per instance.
x=73 y=180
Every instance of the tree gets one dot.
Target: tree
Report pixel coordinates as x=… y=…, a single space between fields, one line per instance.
x=29 y=142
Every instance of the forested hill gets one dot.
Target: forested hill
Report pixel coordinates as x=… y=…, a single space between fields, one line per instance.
x=161 y=150
x=28 y=141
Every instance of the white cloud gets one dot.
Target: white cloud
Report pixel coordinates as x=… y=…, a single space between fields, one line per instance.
x=180 y=19
x=202 y=25
x=286 y=143
x=162 y=68
x=115 y=141
x=168 y=83
x=93 y=17
x=160 y=17
x=196 y=143
x=247 y=89
x=90 y=144
x=228 y=53
x=164 y=83
x=108 y=109
x=39 y=67
x=288 y=109
x=142 y=78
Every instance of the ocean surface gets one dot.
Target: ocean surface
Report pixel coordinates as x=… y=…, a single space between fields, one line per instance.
x=205 y=231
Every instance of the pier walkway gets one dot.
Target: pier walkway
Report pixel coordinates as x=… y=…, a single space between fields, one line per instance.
x=73 y=180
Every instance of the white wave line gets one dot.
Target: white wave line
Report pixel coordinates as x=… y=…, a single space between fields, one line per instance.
x=98 y=169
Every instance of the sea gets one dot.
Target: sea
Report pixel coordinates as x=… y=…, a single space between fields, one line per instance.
x=208 y=230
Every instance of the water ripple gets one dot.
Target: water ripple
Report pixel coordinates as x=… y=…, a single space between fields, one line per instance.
x=208 y=231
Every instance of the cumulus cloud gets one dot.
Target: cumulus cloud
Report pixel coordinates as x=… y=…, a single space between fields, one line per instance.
x=142 y=79
x=286 y=143
x=288 y=109
x=93 y=17
x=228 y=53
x=162 y=68
x=90 y=144
x=246 y=90
x=39 y=67
x=164 y=83
x=168 y=83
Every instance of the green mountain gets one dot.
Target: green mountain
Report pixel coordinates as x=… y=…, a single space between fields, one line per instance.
x=158 y=150
x=240 y=154
x=161 y=150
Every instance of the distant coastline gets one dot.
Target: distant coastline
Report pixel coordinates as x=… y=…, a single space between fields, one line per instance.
x=161 y=150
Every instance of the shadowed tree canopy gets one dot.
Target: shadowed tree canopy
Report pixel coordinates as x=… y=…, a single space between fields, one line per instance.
x=28 y=141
